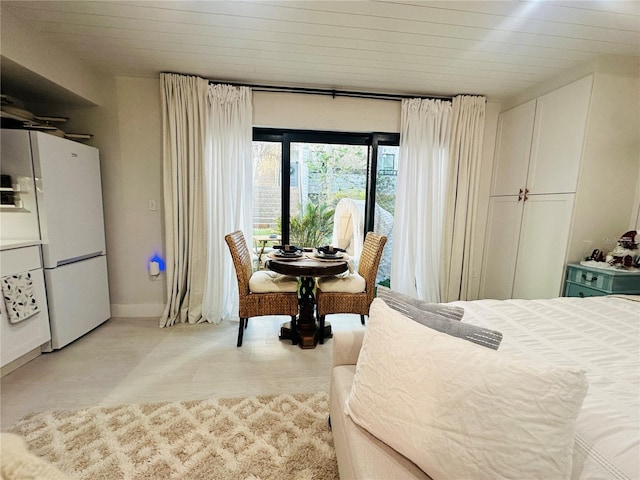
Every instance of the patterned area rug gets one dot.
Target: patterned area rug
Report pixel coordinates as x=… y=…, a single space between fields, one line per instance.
x=257 y=438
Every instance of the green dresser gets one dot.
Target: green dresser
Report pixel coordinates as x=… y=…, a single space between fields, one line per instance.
x=583 y=281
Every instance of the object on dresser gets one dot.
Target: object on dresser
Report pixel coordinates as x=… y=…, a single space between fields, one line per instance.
x=596 y=256
x=625 y=254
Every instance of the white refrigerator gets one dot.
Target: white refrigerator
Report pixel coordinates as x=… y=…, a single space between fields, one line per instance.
x=70 y=213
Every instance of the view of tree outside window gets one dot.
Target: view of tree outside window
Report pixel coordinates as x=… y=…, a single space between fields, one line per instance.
x=324 y=179
x=326 y=174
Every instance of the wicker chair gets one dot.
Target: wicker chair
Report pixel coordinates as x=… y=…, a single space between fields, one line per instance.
x=252 y=304
x=330 y=302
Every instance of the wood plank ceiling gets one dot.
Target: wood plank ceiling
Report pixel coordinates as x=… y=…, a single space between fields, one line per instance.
x=493 y=48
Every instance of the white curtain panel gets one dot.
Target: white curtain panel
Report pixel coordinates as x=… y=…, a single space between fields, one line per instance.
x=229 y=201
x=459 y=231
x=420 y=197
x=184 y=127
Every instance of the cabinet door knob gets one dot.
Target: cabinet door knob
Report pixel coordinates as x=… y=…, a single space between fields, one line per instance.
x=519 y=194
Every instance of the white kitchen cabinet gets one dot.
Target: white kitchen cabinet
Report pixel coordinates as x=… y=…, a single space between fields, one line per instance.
x=578 y=194
x=25 y=336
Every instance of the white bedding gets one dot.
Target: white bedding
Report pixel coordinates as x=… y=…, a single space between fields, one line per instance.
x=602 y=336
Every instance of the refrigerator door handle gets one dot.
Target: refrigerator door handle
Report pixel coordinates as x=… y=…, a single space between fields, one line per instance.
x=67 y=261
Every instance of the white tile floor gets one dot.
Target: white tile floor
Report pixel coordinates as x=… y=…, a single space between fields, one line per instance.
x=129 y=360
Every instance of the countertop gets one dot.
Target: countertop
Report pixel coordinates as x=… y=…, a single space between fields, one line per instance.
x=8 y=244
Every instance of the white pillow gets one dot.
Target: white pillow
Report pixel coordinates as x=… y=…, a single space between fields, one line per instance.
x=459 y=410
x=266 y=281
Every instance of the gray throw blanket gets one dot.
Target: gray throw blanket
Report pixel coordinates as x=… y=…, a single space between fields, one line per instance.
x=443 y=318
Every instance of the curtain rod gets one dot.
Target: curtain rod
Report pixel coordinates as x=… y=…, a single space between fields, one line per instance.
x=330 y=92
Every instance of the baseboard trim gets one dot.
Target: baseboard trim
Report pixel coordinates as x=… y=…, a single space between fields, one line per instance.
x=137 y=310
x=20 y=361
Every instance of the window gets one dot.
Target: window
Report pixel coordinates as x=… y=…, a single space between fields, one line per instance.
x=326 y=172
x=267 y=185
x=388 y=164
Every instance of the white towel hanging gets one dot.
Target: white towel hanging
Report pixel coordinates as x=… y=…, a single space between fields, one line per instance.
x=19 y=297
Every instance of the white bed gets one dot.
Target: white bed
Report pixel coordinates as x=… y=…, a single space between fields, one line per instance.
x=602 y=336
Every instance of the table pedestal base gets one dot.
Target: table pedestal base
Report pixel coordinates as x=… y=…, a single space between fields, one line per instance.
x=308 y=339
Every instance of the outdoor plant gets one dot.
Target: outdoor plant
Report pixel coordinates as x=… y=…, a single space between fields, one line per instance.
x=312 y=227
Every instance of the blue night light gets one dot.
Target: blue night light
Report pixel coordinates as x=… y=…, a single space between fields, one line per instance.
x=159 y=260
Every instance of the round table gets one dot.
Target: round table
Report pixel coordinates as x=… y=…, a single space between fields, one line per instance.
x=308 y=269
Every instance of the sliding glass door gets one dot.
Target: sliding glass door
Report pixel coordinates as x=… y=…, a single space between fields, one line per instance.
x=337 y=186
x=321 y=175
x=385 y=203
x=267 y=187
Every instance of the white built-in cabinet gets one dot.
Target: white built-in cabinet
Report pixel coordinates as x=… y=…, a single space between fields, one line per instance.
x=18 y=339
x=566 y=169
x=536 y=169
x=526 y=246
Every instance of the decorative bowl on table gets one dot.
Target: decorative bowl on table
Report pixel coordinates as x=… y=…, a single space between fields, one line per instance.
x=330 y=252
x=287 y=251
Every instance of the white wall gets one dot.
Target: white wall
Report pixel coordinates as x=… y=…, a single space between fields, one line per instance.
x=322 y=112
x=33 y=52
x=135 y=182
x=610 y=166
x=617 y=65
